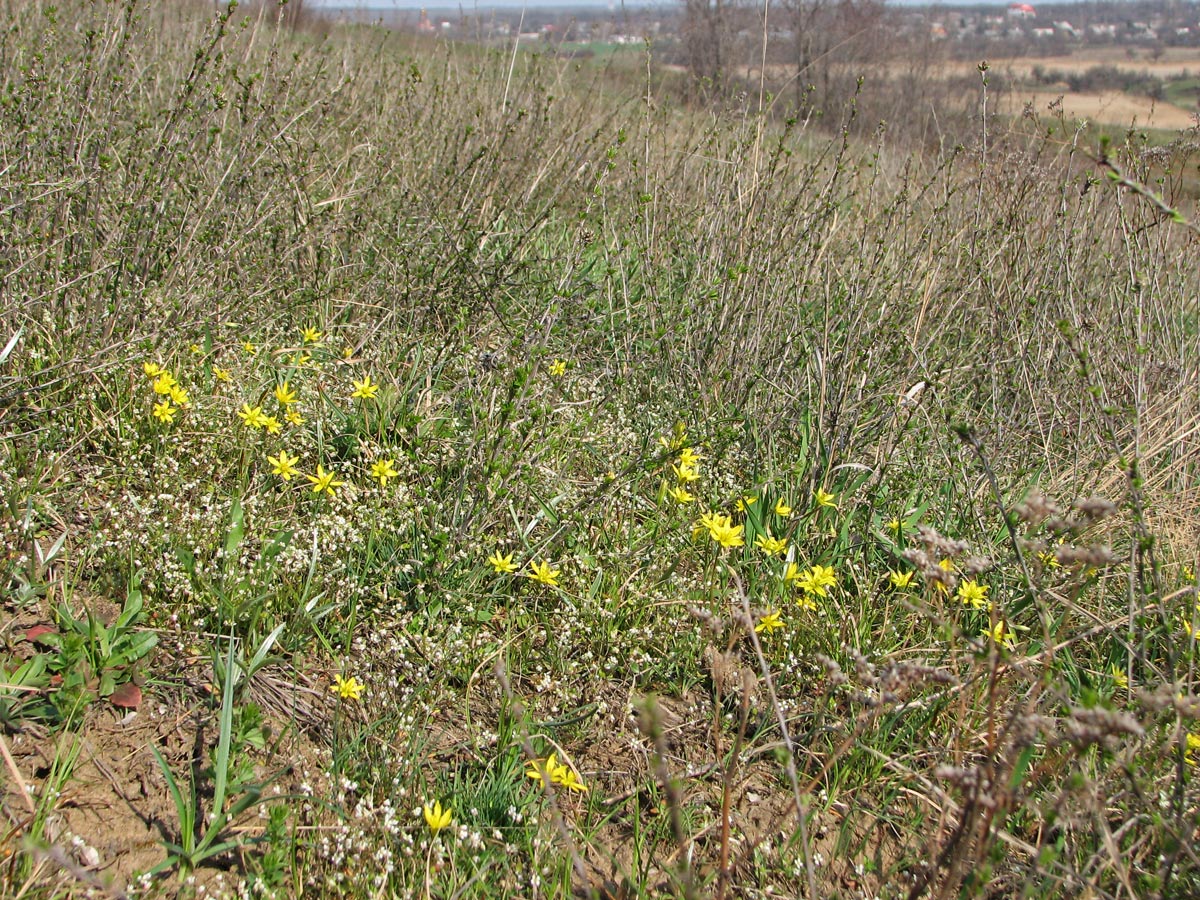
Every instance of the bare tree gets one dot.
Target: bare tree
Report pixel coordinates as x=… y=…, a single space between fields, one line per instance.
x=707 y=39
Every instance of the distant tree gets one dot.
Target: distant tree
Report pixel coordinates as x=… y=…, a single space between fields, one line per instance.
x=707 y=39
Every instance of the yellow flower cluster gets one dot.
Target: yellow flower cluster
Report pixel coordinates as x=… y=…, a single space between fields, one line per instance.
x=721 y=530
x=551 y=771
x=687 y=469
x=165 y=386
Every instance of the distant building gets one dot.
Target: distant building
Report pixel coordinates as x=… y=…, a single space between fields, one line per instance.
x=1021 y=11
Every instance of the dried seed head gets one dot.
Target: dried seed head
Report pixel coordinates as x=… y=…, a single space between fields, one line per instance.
x=713 y=624
x=1095 y=508
x=935 y=575
x=832 y=670
x=863 y=668
x=1037 y=509
x=975 y=565
x=1058 y=525
x=939 y=545
x=1096 y=725
x=1096 y=555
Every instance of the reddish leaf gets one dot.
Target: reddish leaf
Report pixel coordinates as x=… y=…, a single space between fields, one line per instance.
x=127 y=696
x=37 y=631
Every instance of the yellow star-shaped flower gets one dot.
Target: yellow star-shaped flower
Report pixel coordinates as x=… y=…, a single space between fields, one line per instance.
x=503 y=565
x=365 y=390
x=283 y=465
x=383 y=470
x=436 y=817
x=543 y=573
x=324 y=481
x=347 y=688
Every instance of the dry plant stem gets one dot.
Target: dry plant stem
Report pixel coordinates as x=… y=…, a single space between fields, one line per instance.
x=727 y=781
x=18 y=781
x=793 y=775
x=83 y=876
x=651 y=726
x=560 y=825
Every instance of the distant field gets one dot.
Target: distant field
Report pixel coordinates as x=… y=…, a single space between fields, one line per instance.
x=1175 y=62
x=1108 y=108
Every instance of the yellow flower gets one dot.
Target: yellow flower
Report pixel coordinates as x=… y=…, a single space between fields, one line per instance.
x=566 y=777
x=1049 y=559
x=769 y=622
x=900 y=580
x=806 y=602
x=283 y=465
x=555 y=772
x=744 y=503
x=364 y=390
x=685 y=472
x=310 y=335
x=542 y=770
x=972 y=593
x=1189 y=577
x=195 y=349
x=164 y=382
x=824 y=498
x=436 y=817
x=272 y=425
x=178 y=395
x=558 y=368
x=347 y=688
x=1191 y=632
x=324 y=481
x=543 y=573
x=285 y=395
x=689 y=457
x=249 y=347
x=152 y=369
x=252 y=417
x=770 y=546
x=704 y=523
x=895 y=526
x=221 y=374
x=782 y=509
x=383 y=470
x=948 y=567
x=503 y=565
x=164 y=412
x=678 y=438
x=680 y=495
x=1120 y=679
x=721 y=530
x=1193 y=748
x=791 y=573
x=347 y=353
x=292 y=417
x=1001 y=636
x=817 y=579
